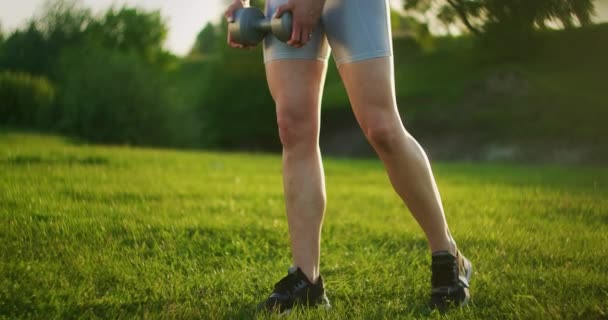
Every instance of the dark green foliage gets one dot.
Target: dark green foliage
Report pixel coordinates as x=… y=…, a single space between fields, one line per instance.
x=36 y=49
x=25 y=100
x=65 y=23
x=555 y=96
x=115 y=83
x=479 y=15
x=205 y=42
x=237 y=110
x=27 y=50
x=131 y=30
x=112 y=97
x=507 y=26
x=108 y=71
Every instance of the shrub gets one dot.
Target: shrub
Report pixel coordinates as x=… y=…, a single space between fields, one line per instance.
x=236 y=109
x=25 y=100
x=113 y=97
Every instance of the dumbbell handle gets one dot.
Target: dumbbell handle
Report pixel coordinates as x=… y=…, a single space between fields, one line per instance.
x=250 y=26
x=280 y=27
x=264 y=25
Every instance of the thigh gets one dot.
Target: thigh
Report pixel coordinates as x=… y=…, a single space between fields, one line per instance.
x=371 y=89
x=358 y=29
x=296 y=86
x=316 y=49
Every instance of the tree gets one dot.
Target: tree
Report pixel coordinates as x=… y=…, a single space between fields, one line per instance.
x=482 y=16
x=1 y=42
x=35 y=49
x=26 y=50
x=205 y=41
x=131 y=30
x=506 y=27
x=26 y=100
x=63 y=20
x=111 y=96
x=235 y=108
x=65 y=24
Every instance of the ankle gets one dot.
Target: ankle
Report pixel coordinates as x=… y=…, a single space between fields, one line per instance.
x=311 y=273
x=446 y=246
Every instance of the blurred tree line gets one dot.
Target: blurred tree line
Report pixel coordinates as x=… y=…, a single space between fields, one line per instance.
x=507 y=27
x=105 y=73
x=107 y=78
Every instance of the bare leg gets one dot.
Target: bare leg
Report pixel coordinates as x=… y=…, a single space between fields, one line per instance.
x=371 y=90
x=297 y=94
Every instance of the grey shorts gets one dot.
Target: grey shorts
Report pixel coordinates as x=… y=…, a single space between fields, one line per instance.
x=354 y=29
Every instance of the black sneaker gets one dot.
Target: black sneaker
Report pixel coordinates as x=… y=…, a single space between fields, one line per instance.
x=450 y=280
x=295 y=289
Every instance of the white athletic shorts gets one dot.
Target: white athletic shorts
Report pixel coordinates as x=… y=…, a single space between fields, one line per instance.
x=355 y=30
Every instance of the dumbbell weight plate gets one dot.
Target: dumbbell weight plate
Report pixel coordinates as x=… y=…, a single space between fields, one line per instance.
x=243 y=30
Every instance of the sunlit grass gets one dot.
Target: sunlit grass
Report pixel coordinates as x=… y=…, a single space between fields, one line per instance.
x=116 y=232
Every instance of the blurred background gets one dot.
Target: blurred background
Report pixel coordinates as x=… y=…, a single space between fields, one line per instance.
x=477 y=80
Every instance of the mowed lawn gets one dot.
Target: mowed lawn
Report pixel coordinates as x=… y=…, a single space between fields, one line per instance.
x=118 y=232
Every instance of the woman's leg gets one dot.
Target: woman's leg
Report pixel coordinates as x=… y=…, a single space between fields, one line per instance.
x=371 y=90
x=296 y=86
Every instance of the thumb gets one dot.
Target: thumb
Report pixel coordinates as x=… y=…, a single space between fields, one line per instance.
x=230 y=14
x=282 y=9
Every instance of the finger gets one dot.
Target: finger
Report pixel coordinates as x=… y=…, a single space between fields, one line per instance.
x=296 y=35
x=232 y=43
x=229 y=41
x=307 y=34
x=229 y=15
x=283 y=8
x=236 y=45
x=303 y=39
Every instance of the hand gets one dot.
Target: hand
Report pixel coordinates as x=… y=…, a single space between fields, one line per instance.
x=229 y=15
x=306 y=16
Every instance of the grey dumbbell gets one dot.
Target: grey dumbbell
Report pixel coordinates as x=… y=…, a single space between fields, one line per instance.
x=250 y=26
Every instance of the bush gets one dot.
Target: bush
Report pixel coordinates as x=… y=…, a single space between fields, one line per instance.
x=113 y=97
x=236 y=109
x=25 y=100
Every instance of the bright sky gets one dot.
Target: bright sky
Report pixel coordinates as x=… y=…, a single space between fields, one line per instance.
x=185 y=17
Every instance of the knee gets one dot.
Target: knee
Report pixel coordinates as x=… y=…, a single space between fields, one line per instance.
x=297 y=128
x=384 y=136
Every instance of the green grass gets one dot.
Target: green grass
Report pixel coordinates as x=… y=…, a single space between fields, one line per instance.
x=119 y=232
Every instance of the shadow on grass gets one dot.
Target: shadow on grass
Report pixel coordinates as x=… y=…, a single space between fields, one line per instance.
x=25 y=160
x=124 y=197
